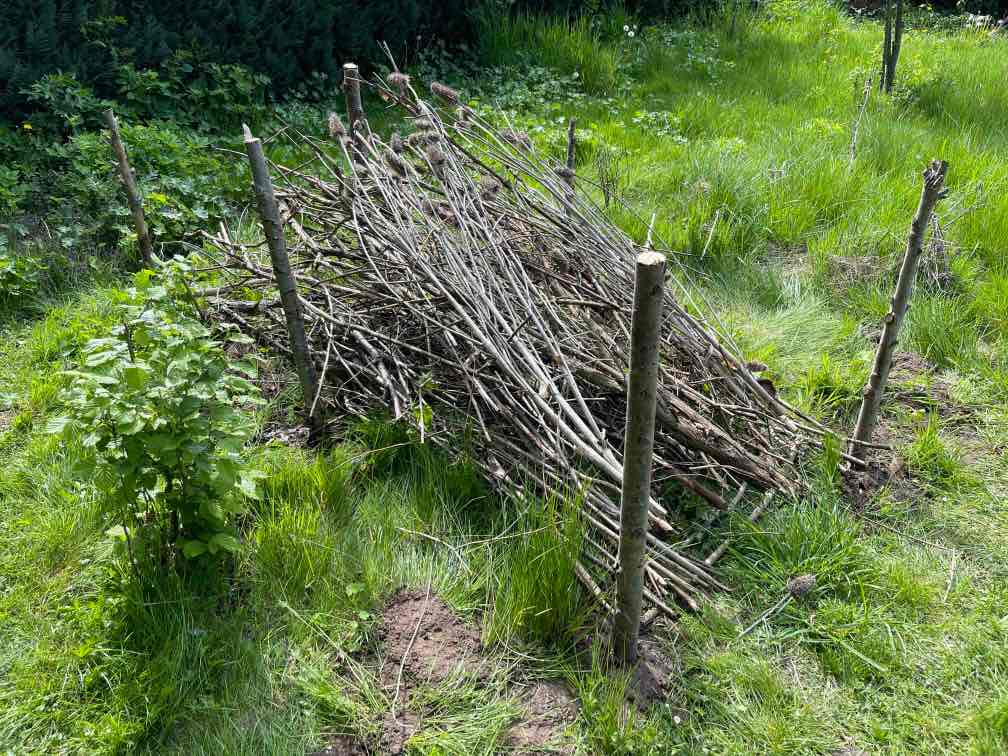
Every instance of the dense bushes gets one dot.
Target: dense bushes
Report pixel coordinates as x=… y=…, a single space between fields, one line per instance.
x=101 y=41
x=284 y=39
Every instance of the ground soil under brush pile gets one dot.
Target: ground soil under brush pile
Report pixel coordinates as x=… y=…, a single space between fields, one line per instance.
x=426 y=643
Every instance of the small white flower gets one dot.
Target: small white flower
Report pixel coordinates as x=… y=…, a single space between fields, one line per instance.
x=577 y=74
x=677 y=719
x=630 y=33
x=626 y=28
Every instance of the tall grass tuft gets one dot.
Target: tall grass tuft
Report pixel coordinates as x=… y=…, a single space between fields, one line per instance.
x=535 y=593
x=569 y=46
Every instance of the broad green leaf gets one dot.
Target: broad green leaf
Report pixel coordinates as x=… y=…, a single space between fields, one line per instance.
x=193 y=548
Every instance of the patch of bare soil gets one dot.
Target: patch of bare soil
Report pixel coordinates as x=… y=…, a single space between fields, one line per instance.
x=654 y=675
x=343 y=745
x=881 y=468
x=550 y=709
x=425 y=642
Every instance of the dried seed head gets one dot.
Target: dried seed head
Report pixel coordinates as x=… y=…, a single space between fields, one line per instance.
x=399 y=80
x=798 y=587
x=565 y=173
x=435 y=156
x=489 y=187
x=397 y=164
x=336 y=129
x=396 y=142
x=444 y=92
x=423 y=123
x=518 y=139
x=417 y=139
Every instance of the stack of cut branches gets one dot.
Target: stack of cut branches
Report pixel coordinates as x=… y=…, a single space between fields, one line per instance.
x=457 y=278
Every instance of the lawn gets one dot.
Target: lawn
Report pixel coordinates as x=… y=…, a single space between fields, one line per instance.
x=736 y=136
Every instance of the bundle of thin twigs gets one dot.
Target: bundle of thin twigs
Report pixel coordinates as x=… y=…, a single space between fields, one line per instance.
x=458 y=279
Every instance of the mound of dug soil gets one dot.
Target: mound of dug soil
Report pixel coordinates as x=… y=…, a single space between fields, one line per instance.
x=425 y=642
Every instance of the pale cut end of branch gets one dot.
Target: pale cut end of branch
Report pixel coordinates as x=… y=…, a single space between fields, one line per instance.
x=247 y=132
x=650 y=258
x=934 y=177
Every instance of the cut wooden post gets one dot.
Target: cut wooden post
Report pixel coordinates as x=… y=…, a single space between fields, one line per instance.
x=892 y=40
x=269 y=212
x=894 y=50
x=132 y=192
x=886 y=43
x=934 y=190
x=355 y=110
x=642 y=392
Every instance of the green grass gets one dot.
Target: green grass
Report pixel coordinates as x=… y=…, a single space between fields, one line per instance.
x=739 y=142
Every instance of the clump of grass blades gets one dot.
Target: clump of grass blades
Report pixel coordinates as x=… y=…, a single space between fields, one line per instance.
x=535 y=592
x=928 y=456
x=569 y=46
x=944 y=331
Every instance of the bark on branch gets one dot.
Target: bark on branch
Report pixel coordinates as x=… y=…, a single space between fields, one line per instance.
x=934 y=190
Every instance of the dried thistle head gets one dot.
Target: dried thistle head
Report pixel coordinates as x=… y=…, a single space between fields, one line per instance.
x=336 y=129
x=399 y=166
x=399 y=80
x=396 y=142
x=423 y=123
x=800 y=586
x=444 y=92
x=489 y=187
x=518 y=139
x=435 y=156
x=565 y=173
x=419 y=139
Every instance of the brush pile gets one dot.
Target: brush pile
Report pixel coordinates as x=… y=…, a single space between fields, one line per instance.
x=457 y=279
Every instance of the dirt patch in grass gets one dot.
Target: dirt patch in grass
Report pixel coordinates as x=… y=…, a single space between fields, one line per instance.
x=550 y=709
x=426 y=643
x=343 y=745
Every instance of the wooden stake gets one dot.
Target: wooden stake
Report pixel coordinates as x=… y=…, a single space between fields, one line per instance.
x=892 y=40
x=355 y=110
x=645 y=337
x=934 y=190
x=269 y=212
x=132 y=192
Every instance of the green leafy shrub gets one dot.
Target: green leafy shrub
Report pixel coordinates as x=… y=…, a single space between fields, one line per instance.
x=90 y=39
x=21 y=278
x=159 y=403
x=185 y=184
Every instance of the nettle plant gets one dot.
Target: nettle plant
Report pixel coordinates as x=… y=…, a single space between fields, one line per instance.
x=165 y=412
